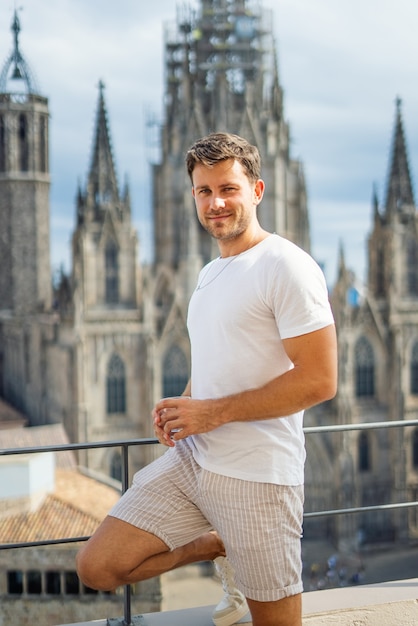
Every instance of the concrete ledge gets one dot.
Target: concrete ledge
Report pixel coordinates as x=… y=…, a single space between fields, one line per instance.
x=403 y=613
x=199 y=616
x=392 y=603
x=383 y=604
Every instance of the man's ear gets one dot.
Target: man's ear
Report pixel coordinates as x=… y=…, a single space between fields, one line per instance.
x=259 y=190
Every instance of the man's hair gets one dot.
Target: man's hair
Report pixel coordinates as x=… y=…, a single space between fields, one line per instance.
x=218 y=147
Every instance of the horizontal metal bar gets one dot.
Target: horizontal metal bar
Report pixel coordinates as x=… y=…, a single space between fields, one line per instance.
x=330 y=513
x=78 y=446
x=45 y=542
x=361 y=509
x=362 y=426
x=151 y=441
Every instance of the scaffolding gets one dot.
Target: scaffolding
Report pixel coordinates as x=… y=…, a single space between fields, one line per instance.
x=223 y=41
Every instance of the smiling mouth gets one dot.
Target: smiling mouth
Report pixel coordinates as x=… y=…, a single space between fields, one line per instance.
x=219 y=217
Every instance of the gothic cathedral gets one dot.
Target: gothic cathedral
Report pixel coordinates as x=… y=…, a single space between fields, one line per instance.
x=96 y=350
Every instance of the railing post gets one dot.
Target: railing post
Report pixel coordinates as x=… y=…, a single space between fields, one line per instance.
x=125 y=467
x=125 y=484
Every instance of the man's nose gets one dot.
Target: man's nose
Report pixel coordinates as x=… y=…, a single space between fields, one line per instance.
x=217 y=203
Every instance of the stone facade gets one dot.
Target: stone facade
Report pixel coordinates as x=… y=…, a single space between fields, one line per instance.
x=40 y=586
x=25 y=284
x=378 y=357
x=115 y=338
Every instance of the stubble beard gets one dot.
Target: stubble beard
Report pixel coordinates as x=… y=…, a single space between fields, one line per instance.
x=222 y=234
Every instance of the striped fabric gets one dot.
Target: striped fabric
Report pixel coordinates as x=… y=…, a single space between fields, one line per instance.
x=260 y=523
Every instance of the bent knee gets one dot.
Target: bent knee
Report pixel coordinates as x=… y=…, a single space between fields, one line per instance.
x=93 y=573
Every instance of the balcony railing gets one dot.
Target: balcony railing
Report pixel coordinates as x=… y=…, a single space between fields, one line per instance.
x=124 y=446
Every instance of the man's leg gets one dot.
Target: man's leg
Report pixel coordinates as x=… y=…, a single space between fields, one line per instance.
x=119 y=553
x=285 y=612
x=260 y=524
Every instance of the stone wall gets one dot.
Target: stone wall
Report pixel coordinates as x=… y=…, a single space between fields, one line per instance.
x=45 y=590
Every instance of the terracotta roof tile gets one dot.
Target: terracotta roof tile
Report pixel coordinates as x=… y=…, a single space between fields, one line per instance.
x=53 y=520
x=87 y=494
x=75 y=509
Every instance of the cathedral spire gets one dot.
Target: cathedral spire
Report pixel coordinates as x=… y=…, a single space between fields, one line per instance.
x=276 y=89
x=376 y=213
x=399 y=194
x=341 y=259
x=16 y=75
x=375 y=199
x=102 y=182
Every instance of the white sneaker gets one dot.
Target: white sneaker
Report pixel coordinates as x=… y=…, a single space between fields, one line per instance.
x=233 y=605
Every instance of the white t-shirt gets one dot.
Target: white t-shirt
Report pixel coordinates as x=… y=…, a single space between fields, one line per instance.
x=242 y=309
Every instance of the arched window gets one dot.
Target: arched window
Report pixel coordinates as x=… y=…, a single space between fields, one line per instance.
x=364 y=456
x=43 y=145
x=2 y=144
x=414 y=369
x=23 y=144
x=364 y=372
x=116 y=467
x=116 y=386
x=112 y=273
x=175 y=372
x=415 y=449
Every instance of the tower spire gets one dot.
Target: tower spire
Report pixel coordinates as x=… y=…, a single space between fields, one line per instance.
x=16 y=69
x=399 y=193
x=102 y=182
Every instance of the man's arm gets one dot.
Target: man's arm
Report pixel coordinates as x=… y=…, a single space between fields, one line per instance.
x=312 y=380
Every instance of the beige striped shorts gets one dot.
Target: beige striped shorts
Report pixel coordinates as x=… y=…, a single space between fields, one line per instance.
x=259 y=523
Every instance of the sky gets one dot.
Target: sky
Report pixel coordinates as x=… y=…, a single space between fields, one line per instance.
x=342 y=64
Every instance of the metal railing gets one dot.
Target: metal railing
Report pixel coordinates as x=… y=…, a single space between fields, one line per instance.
x=124 y=445
x=362 y=426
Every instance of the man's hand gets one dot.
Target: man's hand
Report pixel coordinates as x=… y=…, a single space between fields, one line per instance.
x=312 y=380
x=178 y=417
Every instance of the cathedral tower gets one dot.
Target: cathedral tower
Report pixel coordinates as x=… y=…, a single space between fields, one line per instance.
x=105 y=242
x=222 y=75
x=114 y=387
x=378 y=357
x=25 y=277
x=393 y=244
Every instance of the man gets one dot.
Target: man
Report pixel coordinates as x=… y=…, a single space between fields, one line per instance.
x=263 y=349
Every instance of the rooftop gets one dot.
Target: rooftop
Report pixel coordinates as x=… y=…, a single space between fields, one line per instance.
x=58 y=516
x=76 y=505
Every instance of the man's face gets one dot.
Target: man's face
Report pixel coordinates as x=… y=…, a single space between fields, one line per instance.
x=226 y=200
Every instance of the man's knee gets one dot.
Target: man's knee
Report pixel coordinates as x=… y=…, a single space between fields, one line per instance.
x=94 y=573
x=284 y=612
x=114 y=555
